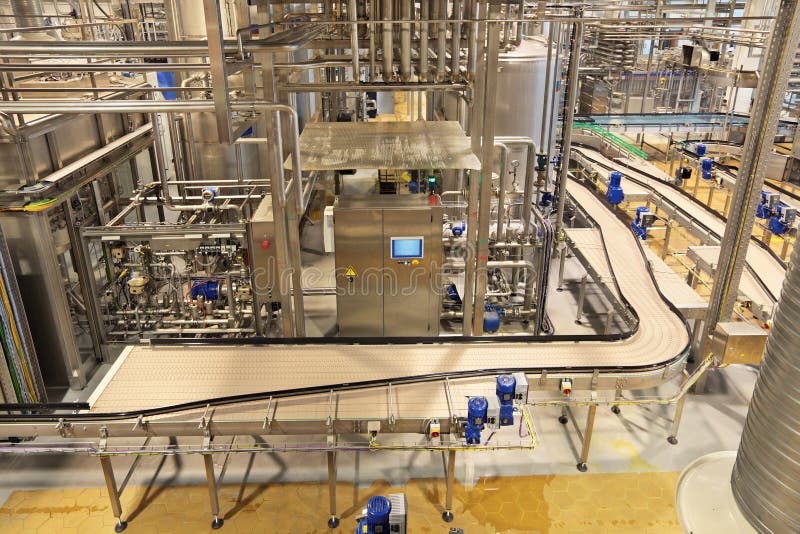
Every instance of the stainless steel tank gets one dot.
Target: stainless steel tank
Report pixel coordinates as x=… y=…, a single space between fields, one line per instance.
x=521 y=105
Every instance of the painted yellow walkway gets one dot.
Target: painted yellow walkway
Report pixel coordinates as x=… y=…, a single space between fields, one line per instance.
x=641 y=503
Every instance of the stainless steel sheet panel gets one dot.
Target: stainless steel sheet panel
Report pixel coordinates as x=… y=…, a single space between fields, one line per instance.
x=385 y=145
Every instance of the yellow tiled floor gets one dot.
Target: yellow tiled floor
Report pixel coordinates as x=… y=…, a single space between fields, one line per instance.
x=592 y=503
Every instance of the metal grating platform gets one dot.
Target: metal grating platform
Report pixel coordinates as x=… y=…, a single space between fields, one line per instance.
x=331 y=146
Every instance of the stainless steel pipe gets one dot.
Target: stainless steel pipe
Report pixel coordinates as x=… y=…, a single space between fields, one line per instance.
x=405 y=42
x=388 y=45
x=572 y=85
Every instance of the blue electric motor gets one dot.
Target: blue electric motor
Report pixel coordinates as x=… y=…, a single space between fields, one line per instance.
x=614 y=195
x=413 y=187
x=377 y=518
x=701 y=149
x=707 y=164
x=476 y=411
x=506 y=387
x=782 y=220
x=506 y=384
x=208 y=289
x=476 y=417
x=452 y=293
x=644 y=220
x=491 y=321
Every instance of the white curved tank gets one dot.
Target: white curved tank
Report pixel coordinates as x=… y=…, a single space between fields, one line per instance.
x=521 y=86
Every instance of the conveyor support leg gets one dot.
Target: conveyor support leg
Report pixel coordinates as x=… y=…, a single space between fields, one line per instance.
x=667 y=235
x=581 y=298
x=333 y=521
x=113 y=494
x=676 y=421
x=562 y=262
x=587 y=438
x=217 y=522
x=447 y=515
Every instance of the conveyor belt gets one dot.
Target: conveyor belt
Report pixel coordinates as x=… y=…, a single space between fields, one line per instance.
x=675 y=288
x=788 y=197
x=768 y=269
x=159 y=376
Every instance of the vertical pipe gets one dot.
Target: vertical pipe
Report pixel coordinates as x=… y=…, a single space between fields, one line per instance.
x=487 y=150
x=294 y=215
x=475 y=126
x=441 y=41
x=471 y=12
x=547 y=113
x=501 y=193
x=352 y=9
x=423 y=41
x=405 y=41
x=372 y=12
x=388 y=46
x=572 y=87
x=772 y=84
x=455 y=47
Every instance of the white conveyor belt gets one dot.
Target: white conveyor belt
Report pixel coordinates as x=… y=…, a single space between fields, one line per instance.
x=769 y=270
x=149 y=377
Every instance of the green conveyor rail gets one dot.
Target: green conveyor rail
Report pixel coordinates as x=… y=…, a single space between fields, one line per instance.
x=615 y=140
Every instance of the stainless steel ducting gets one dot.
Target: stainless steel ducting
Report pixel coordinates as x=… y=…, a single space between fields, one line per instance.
x=766 y=476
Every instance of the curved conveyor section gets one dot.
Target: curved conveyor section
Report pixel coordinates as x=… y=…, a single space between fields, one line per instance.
x=152 y=377
x=766 y=267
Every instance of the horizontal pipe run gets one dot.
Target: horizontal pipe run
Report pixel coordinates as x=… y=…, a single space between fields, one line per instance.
x=388 y=87
x=101 y=67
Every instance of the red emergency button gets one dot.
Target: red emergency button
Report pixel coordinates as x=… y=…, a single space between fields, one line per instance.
x=265 y=244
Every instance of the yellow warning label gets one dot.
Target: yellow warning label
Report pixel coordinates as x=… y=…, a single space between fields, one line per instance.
x=350 y=272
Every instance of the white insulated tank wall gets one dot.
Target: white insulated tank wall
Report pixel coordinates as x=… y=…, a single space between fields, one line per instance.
x=521 y=87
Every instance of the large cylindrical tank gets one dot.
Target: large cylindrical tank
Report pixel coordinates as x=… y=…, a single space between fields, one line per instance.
x=520 y=106
x=520 y=96
x=766 y=476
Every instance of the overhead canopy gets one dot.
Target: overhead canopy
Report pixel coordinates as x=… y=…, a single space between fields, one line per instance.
x=330 y=146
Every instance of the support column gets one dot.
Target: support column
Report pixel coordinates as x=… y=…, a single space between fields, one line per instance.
x=775 y=69
x=213 y=495
x=333 y=521
x=487 y=156
x=566 y=144
x=113 y=493
x=587 y=438
x=447 y=515
x=581 y=299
